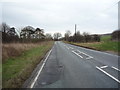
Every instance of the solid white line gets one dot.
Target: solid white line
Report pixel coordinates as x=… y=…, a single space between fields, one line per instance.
x=108 y=74
x=77 y=54
x=40 y=70
x=115 y=68
x=103 y=66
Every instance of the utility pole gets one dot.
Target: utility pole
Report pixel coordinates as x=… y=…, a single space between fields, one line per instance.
x=75 y=33
x=75 y=29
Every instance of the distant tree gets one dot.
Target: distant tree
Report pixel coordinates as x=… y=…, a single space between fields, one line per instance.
x=67 y=35
x=5 y=27
x=57 y=36
x=116 y=35
x=48 y=36
x=27 y=31
x=87 y=37
x=79 y=37
x=39 y=33
x=95 y=38
x=8 y=34
x=11 y=32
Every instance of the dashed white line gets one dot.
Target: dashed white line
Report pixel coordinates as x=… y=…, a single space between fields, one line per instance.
x=77 y=54
x=67 y=47
x=115 y=68
x=89 y=57
x=104 y=67
x=40 y=70
x=108 y=74
x=71 y=47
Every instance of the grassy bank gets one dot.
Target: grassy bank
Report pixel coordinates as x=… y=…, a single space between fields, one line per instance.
x=105 y=45
x=18 y=68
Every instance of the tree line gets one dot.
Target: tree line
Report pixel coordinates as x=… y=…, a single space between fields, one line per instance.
x=87 y=37
x=26 y=34
x=31 y=34
x=78 y=37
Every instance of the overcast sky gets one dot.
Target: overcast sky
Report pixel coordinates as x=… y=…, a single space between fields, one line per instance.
x=93 y=16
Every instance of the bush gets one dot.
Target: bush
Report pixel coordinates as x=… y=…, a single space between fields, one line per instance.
x=116 y=35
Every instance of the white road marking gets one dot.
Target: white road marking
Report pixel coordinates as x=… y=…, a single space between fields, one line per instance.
x=77 y=54
x=40 y=70
x=67 y=47
x=115 y=68
x=104 y=67
x=71 y=47
x=89 y=57
x=95 y=50
x=108 y=74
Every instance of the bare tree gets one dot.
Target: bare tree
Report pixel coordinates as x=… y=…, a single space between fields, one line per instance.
x=5 y=27
x=67 y=35
x=48 y=36
x=57 y=36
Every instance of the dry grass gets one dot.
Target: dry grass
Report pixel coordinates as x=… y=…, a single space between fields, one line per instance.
x=26 y=57
x=16 y=49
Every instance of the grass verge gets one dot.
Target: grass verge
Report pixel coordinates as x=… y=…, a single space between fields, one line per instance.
x=108 y=46
x=17 y=69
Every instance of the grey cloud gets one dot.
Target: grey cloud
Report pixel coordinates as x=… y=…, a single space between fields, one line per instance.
x=61 y=15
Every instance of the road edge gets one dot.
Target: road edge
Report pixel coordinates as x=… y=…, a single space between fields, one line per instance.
x=29 y=81
x=118 y=54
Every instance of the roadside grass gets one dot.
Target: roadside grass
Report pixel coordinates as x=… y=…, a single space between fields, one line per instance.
x=16 y=49
x=105 y=45
x=17 y=69
x=105 y=38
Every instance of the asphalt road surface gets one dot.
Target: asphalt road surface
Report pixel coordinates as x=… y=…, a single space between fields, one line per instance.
x=69 y=66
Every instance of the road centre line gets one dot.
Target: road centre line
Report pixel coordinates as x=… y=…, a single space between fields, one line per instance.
x=89 y=57
x=76 y=54
x=85 y=54
x=115 y=68
x=67 y=47
x=33 y=83
x=108 y=74
x=104 y=67
x=71 y=47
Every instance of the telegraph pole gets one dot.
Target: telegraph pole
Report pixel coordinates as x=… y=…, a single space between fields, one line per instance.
x=75 y=32
x=75 y=29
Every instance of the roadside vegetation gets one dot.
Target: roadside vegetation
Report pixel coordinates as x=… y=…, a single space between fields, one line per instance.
x=109 y=43
x=22 y=50
x=20 y=61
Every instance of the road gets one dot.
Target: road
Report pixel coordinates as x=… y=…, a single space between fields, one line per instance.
x=69 y=66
